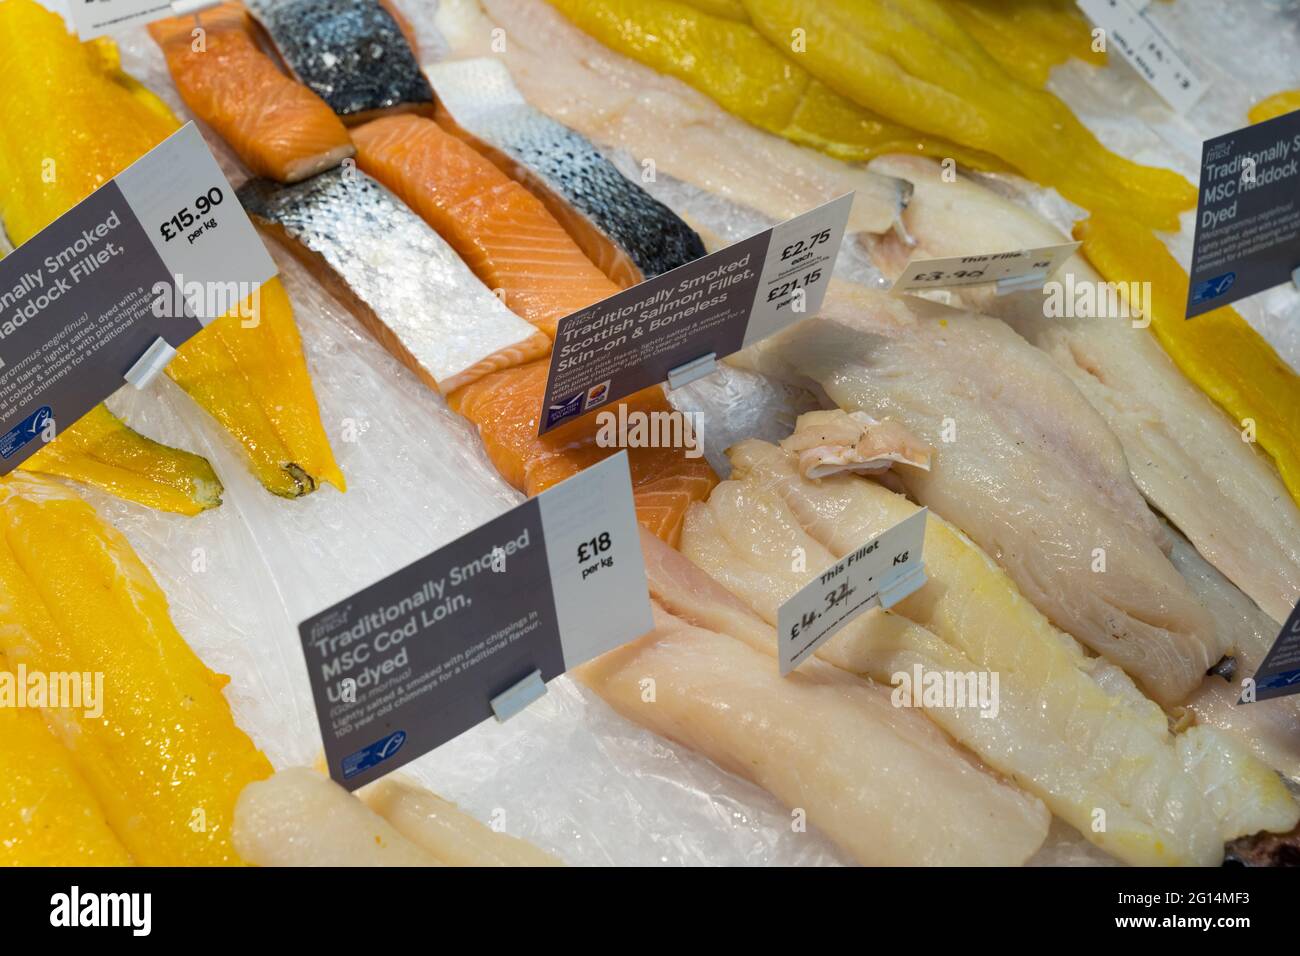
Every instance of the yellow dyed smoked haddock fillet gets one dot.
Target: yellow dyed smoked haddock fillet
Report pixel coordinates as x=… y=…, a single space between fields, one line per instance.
x=71 y=120
x=1218 y=351
x=48 y=814
x=100 y=450
x=914 y=63
x=1279 y=104
x=733 y=64
x=1028 y=37
x=164 y=760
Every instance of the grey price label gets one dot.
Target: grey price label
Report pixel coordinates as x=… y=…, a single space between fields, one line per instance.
x=710 y=307
x=1248 y=218
x=420 y=657
x=1279 y=674
x=153 y=254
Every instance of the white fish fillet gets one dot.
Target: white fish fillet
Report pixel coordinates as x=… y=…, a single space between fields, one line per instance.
x=1271 y=728
x=1185 y=453
x=884 y=783
x=615 y=101
x=446 y=831
x=1029 y=471
x=301 y=818
x=1068 y=727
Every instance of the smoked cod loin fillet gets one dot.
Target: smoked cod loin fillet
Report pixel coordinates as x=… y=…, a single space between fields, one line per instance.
x=505 y=407
x=301 y=818
x=279 y=128
x=1069 y=728
x=1022 y=464
x=163 y=757
x=67 y=108
x=880 y=781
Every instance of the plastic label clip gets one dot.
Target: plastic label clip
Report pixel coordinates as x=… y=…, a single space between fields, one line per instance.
x=154 y=360
x=902 y=584
x=510 y=702
x=683 y=375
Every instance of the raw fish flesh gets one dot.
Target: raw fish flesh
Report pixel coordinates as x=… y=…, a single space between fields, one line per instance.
x=1186 y=456
x=279 y=128
x=1028 y=470
x=505 y=407
x=735 y=65
x=353 y=53
x=666 y=126
x=408 y=286
x=1255 y=387
x=162 y=755
x=1067 y=727
x=618 y=225
x=301 y=818
x=1270 y=728
x=446 y=831
x=882 y=782
x=500 y=229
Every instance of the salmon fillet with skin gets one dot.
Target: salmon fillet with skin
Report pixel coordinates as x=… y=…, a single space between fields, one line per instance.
x=279 y=127
x=504 y=406
x=503 y=232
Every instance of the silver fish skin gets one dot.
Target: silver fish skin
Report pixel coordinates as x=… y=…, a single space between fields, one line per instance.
x=352 y=53
x=405 y=283
x=620 y=227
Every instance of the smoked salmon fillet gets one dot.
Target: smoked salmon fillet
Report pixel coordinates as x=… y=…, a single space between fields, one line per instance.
x=279 y=128
x=503 y=232
x=504 y=407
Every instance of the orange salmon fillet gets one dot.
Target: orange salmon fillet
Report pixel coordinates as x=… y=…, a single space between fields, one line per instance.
x=504 y=406
x=504 y=233
x=279 y=128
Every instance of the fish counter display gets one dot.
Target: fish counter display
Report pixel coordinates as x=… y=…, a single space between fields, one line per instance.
x=1109 y=495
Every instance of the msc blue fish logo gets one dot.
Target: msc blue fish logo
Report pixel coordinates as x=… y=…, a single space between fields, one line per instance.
x=1213 y=288
x=373 y=754
x=566 y=409
x=26 y=431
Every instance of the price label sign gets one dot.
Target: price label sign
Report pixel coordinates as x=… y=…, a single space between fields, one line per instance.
x=1132 y=30
x=1279 y=673
x=154 y=254
x=427 y=653
x=847 y=589
x=1248 y=217
x=1022 y=264
x=711 y=307
x=97 y=18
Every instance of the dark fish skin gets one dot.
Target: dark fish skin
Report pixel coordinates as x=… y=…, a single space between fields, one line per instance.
x=655 y=238
x=352 y=53
x=1265 y=849
x=481 y=104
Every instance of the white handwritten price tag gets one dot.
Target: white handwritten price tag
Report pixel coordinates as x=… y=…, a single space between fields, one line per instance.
x=879 y=574
x=1131 y=28
x=1023 y=265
